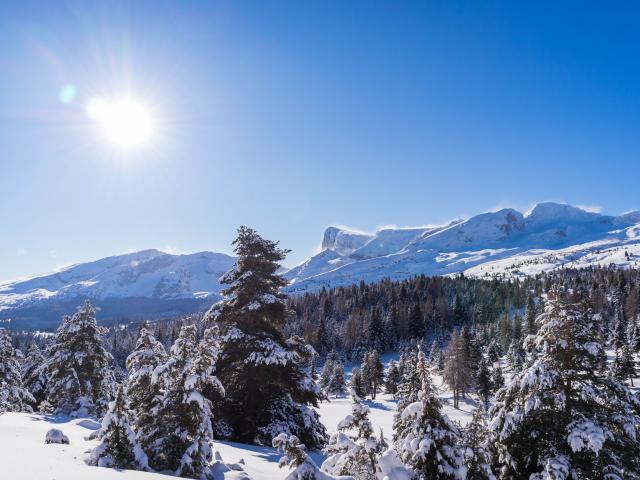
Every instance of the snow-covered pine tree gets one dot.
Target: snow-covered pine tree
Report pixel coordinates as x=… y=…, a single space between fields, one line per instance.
x=477 y=456
x=483 y=383
x=337 y=385
x=559 y=418
x=357 y=384
x=144 y=396
x=34 y=377
x=16 y=397
x=515 y=356
x=354 y=449
x=328 y=368
x=183 y=418
x=497 y=378
x=392 y=378
x=372 y=372
x=425 y=438
x=118 y=447
x=296 y=458
x=79 y=377
x=268 y=389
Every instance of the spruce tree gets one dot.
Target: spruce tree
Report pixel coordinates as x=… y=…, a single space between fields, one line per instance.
x=425 y=438
x=392 y=378
x=497 y=378
x=372 y=372
x=118 y=447
x=477 y=456
x=268 y=389
x=353 y=450
x=357 y=383
x=143 y=394
x=484 y=385
x=337 y=385
x=559 y=418
x=183 y=417
x=16 y=397
x=34 y=375
x=79 y=377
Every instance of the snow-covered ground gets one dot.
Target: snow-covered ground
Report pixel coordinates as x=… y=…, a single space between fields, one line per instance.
x=25 y=456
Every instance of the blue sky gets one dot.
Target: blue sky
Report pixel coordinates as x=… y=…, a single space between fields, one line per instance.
x=291 y=116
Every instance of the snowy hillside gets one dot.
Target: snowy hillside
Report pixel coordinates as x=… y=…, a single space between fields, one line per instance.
x=502 y=243
x=149 y=282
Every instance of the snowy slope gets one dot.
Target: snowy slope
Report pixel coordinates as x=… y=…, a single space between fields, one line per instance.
x=166 y=283
x=502 y=243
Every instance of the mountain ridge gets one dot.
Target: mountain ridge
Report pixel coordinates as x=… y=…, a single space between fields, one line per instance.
x=504 y=243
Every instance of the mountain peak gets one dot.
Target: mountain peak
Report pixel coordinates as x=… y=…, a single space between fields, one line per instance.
x=549 y=211
x=343 y=241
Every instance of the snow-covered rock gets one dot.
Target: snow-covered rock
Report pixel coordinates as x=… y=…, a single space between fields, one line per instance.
x=56 y=436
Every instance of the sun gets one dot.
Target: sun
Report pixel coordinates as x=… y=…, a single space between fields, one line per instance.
x=124 y=122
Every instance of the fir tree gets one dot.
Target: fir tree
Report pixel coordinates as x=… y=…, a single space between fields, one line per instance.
x=484 y=385
x=337 y=385
x=372 y=372
x=268 y=389
x=357 y=383
x=296 y=458
x=183 y=418
x=16 y=398
x=354 y=449
x=392 y=378
x=374 y=331
x=119 y=447
x=426 y=439
x=560 y=419
x=33 y=375
x=328 y=369
x=497 y=378
x=416 y=323
x=143 y=394
x=79 y=378
x=477 y=454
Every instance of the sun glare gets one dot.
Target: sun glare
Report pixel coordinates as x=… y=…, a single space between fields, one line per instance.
x=125 y=123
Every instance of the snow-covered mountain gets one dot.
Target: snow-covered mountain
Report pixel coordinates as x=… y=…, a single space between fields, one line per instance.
x=506 y=243
x=148 y=283
x=503 y=243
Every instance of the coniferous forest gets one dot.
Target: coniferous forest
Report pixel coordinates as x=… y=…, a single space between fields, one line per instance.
x=550 y=360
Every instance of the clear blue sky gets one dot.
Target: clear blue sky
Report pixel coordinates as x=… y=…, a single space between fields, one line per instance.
x=289 y=116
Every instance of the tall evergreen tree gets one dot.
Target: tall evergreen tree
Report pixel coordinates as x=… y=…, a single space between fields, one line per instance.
x=268 y=389
x=416 y=322
x=484 y=385
x=558 y=418
x=372 y=372
x=426 y=439
x=16 y=398
x=337 y=385
x=477 y=456
x=79 y=377
x=392 y=378
x=183 y=417
x=33 y=374
x=143 y=394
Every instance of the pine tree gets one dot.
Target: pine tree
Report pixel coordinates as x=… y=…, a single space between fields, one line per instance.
x=425 y=438
x=559 y=418
x=392 y=378
x=296 y=458
x=337 y=385
x=143 y=394
x=484 y=385
x=34 y=375
x=183 y=418
x=497 y=378
x=477 y=455
x=354 y=449
x=516 y=356
x=328 y=369
x=357 y=384
x=79 y=378
x=119 y=447
x=268 y=389
x=530 y=317
x=374 y=331
x=416 y=323
x=16 y=398
x=372 y=372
